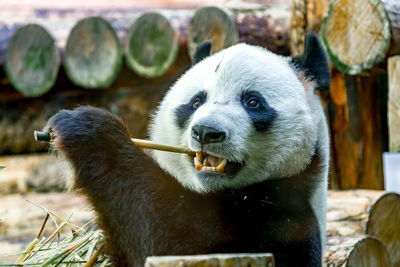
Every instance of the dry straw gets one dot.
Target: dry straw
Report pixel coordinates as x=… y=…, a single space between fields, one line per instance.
x=83 y=247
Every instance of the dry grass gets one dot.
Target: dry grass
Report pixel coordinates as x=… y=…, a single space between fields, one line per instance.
x=83 y=247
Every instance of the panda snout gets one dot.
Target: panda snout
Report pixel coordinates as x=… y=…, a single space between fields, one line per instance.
x=206 y=135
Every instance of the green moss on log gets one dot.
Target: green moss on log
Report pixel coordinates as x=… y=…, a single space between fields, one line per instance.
x=151 y=45
x=32 y=61
x=93 y=54
x=211 y=23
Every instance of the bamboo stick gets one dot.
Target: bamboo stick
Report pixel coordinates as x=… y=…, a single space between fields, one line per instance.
x=47 y=137
x=169 y=148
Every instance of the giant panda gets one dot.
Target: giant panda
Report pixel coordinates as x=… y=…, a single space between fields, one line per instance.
x=258 y=182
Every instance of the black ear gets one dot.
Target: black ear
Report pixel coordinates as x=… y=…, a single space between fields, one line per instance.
x=313 y=62
x=202 y=51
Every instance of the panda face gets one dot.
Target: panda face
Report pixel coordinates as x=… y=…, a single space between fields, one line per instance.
x=247 y=115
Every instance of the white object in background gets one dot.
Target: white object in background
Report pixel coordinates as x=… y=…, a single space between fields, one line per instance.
x=391 y=171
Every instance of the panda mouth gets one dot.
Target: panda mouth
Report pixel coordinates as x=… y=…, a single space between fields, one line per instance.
x=205 y=162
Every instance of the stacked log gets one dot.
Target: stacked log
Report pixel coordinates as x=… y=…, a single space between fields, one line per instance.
x=360 y=34
x=151 y=45
x=32 y=61
x=91 y=50
x=92 y=57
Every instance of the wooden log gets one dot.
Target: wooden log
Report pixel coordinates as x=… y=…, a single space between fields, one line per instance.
x=356 y=251
x=151 y=45
x=384 y=224
x=369 y=252
x=211 y=23
x=93 y=54
x=221 y=260
x=359 y=34
x=32 y=61
x=393 y=103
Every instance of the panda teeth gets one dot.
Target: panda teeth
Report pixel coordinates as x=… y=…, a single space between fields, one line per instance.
x=209 y=163
x=222 y=165
x=198 y=164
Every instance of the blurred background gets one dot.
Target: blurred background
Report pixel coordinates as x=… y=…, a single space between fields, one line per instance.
x=123 y=55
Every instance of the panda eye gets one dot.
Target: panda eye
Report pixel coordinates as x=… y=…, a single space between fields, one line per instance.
x=196 y=103
x=252 y=103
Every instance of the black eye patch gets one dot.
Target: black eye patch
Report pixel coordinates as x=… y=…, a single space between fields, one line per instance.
x=183 y=112
x=260 y=113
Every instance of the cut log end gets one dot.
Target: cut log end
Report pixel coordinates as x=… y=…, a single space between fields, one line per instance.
x=93 y=54
x=32 y=60
x=356 y=34
x=151 y=45
x=211 y=23
x=369 y=252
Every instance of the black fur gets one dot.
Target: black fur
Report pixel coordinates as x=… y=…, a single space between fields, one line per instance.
x=202 y=51
x=144 y=211
x=183 y=112
x=263 y=115
x=314 y=62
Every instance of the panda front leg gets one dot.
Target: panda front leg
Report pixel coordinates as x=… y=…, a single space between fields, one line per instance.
x=112 y=173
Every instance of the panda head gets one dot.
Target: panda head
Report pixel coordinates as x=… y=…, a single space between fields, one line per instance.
x=251 y=115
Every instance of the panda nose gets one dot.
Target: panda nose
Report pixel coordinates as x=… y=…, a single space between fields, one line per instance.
x=206 y=135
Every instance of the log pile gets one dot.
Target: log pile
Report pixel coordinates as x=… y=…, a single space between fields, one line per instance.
x=90 y=40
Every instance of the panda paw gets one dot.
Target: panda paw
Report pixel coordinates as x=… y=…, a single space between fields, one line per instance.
x=86 y=129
